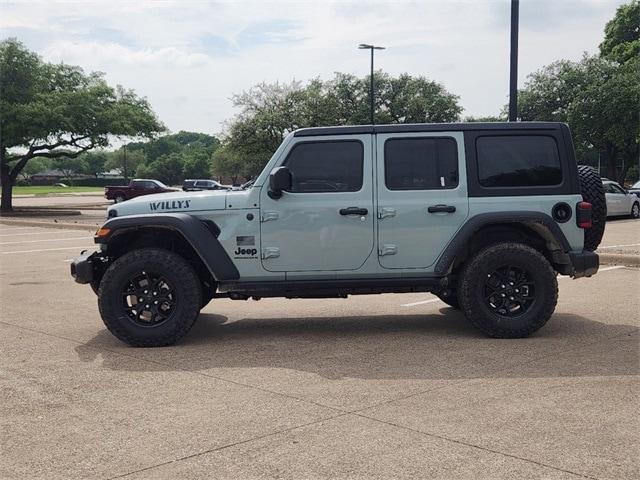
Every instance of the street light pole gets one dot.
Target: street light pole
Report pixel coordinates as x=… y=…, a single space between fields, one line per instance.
x=365 y=46
x=513 y=70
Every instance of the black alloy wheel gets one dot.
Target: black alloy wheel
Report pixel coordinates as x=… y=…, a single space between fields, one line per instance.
x=149 y=299
x=509 y=291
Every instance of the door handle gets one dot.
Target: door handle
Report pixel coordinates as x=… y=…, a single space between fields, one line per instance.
x=441 y=208
x=353 y=211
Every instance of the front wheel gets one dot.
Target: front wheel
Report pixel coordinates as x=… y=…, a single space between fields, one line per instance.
x=635 y=210
x=149 y=297
x=508 y=290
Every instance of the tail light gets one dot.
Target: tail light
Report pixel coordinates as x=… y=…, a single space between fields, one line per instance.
x=583 y=215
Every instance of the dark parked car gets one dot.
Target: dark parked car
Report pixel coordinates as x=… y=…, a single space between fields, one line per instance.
x=136 y=188
x=195 y=185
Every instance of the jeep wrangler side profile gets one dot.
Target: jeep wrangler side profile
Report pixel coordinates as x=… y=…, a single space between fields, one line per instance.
x=483 y=215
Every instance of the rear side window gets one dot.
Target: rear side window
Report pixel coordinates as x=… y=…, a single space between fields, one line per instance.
x=518 y=161
x=326 y=166
x=420 y=163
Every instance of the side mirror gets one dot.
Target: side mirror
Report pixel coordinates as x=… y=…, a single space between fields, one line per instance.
x=279 y=180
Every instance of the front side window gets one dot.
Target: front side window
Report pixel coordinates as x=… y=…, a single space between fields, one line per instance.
x=420 y=163
x=518 y=161
x=329 y=166
x=617 y=189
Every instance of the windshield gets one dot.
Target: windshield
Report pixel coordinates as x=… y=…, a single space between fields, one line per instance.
x=160 y=183
x=636 y=185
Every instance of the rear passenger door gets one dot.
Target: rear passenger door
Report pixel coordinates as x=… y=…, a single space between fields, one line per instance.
x=422 y=196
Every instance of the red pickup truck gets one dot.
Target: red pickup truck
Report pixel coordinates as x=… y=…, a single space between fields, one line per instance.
x=136 y=188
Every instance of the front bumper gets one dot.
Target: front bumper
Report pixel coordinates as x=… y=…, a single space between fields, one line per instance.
x=82 y=267
x=584 y=263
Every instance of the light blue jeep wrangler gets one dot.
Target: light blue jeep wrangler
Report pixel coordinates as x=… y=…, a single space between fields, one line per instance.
x=484 y=215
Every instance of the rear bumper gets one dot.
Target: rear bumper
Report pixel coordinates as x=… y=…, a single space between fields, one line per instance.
x=584 y=263
x=82 y=267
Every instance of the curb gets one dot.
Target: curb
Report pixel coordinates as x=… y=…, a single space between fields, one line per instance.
x=619 y=259
x=34 y=223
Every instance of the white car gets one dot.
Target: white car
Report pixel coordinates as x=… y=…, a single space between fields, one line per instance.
x=619 y=201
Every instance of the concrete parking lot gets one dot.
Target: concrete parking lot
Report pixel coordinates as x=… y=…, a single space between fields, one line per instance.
x=388 y=386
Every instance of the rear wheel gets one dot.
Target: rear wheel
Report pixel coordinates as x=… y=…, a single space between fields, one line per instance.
x=508 y=290
x=149 y=297
x=635 y=210
x=592 y=191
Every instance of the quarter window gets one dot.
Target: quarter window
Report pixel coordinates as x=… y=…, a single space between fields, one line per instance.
x=326 y=166
x=518 y=161
x=420 y=163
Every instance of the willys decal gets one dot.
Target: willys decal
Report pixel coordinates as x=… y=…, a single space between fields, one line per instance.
x=170 y=205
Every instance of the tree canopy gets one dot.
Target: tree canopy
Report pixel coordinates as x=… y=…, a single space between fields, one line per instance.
x=56 y=110
x=269 y=111
x=597 y=96
x=622 y=34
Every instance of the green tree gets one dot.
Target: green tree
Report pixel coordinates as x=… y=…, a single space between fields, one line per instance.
x=196 y=165
x=229 y=164
x=125 y=159
x=37 y=165
x=598 y=98
x=56 y=110
x=166 y=168
x=94 y=162
x=71 y=166
x=622 y=34
x=269 y=111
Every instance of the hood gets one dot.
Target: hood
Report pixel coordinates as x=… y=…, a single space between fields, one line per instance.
x=174 y=202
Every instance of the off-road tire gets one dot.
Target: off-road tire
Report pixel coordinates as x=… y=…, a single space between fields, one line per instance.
x=471 y=291
x=635 y=210
x=592 y=191
x=172 y=267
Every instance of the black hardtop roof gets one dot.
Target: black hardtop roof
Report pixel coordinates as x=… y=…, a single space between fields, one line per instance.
x=426 y=127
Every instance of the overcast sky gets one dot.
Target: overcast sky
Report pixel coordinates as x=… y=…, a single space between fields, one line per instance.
x=188 y=57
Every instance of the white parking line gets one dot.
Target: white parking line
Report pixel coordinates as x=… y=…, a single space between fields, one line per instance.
x=432 y=300
x=413 y=304
x=50 y=232
x=18 y=229
x=84 y=247
x=45 y=240
x=619 y=246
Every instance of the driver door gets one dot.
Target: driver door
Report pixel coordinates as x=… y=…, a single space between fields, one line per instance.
x=325 y=222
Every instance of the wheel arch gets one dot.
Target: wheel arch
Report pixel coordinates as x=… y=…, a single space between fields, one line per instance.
x=191 y=236
x=534 y=228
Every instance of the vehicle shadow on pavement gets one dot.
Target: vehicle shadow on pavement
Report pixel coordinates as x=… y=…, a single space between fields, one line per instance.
x=432 y=346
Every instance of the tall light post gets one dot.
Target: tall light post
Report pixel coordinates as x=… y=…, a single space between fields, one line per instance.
x=513 y=67
x=365 y=46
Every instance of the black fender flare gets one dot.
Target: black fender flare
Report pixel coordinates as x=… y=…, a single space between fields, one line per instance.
x=200 y=234
x=475 y=223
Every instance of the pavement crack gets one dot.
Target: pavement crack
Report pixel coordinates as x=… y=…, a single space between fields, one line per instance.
x=229 y=445
x=473 y=445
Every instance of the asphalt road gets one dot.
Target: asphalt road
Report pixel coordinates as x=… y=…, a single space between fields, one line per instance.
x=387 y=386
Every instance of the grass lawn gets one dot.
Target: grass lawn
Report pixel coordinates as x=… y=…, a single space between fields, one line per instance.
x=44 y=189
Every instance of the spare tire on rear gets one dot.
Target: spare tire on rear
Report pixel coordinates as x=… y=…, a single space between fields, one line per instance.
x=592 y=191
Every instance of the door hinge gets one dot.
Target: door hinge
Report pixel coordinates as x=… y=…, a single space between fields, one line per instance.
x=387 y=249
x=386 y=212
x=270 y=252
x=266 y=216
